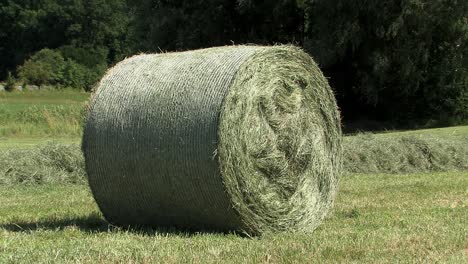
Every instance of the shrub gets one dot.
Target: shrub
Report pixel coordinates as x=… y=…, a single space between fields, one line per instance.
x=44 y=67
x=67 y=67
x=87 y=56
x=86 y=65
x=74 y=75
x=10 y=83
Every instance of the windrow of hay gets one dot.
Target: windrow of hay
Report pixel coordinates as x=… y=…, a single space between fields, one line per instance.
x=363 y=153
x=49 y=163
x=370 y=153
x=233 y=138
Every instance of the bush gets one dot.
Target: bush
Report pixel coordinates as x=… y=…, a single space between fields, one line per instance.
x=44 y=67
x=74 y=75
x=10 y=83
x=67 y=67
x=87 y=65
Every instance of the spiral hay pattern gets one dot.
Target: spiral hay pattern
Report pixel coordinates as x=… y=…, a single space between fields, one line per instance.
x=232 y=138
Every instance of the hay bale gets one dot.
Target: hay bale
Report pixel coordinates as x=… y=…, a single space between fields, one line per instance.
x=231 y=138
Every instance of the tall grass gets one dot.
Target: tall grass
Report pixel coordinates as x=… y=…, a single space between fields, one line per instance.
x=52 y=120
x=50 y=96
x=44 y=113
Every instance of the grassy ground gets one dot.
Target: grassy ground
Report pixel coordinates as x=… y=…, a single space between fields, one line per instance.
x=18 y=101
x=377 y=218
x=42 y=114
x=456 y=131
x=18 y=142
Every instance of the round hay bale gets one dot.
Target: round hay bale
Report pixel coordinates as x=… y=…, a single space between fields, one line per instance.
x=241 y=138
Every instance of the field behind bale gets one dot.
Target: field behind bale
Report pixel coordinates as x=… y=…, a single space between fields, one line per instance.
x=42 y=114
x=403 y=198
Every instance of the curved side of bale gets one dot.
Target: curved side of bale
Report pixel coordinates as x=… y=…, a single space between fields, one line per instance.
x=231 y=138
x=151 y=135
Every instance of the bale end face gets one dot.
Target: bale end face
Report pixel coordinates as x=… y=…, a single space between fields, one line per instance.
x=280 y=142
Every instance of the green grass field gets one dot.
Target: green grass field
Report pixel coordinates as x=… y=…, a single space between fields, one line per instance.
x=383 y=218
x=29 y=118
x=41 y=115
x=377 y=218
x=456 y=131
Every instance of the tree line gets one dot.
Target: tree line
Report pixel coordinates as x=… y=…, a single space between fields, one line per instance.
x=395 y=60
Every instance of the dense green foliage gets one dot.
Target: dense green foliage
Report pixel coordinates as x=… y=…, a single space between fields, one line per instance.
x=44 y=67
x=89 y=34
x=49 y=67
x=400 y=59
x=391 y=59
x=10 y=82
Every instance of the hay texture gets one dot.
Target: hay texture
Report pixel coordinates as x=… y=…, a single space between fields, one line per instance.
x=241 y=138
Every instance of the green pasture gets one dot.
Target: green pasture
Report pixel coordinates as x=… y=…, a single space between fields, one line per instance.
x=377 y=218
x=31 y=117
x=18 y=99
x=48 y=215
x=455 y=131
x=41 y=114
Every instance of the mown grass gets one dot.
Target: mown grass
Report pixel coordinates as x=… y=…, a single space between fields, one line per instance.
x=405 y=153
x=50 y=163
x=377 y=218
x=64 y=163
x=47 y=213
x=9 y=143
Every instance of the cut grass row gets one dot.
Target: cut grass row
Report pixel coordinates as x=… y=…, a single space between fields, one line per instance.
x=404 y=153
x=377 y=218
x=64 y=163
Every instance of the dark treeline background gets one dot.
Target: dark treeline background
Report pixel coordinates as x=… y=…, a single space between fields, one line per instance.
x=387 y=60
